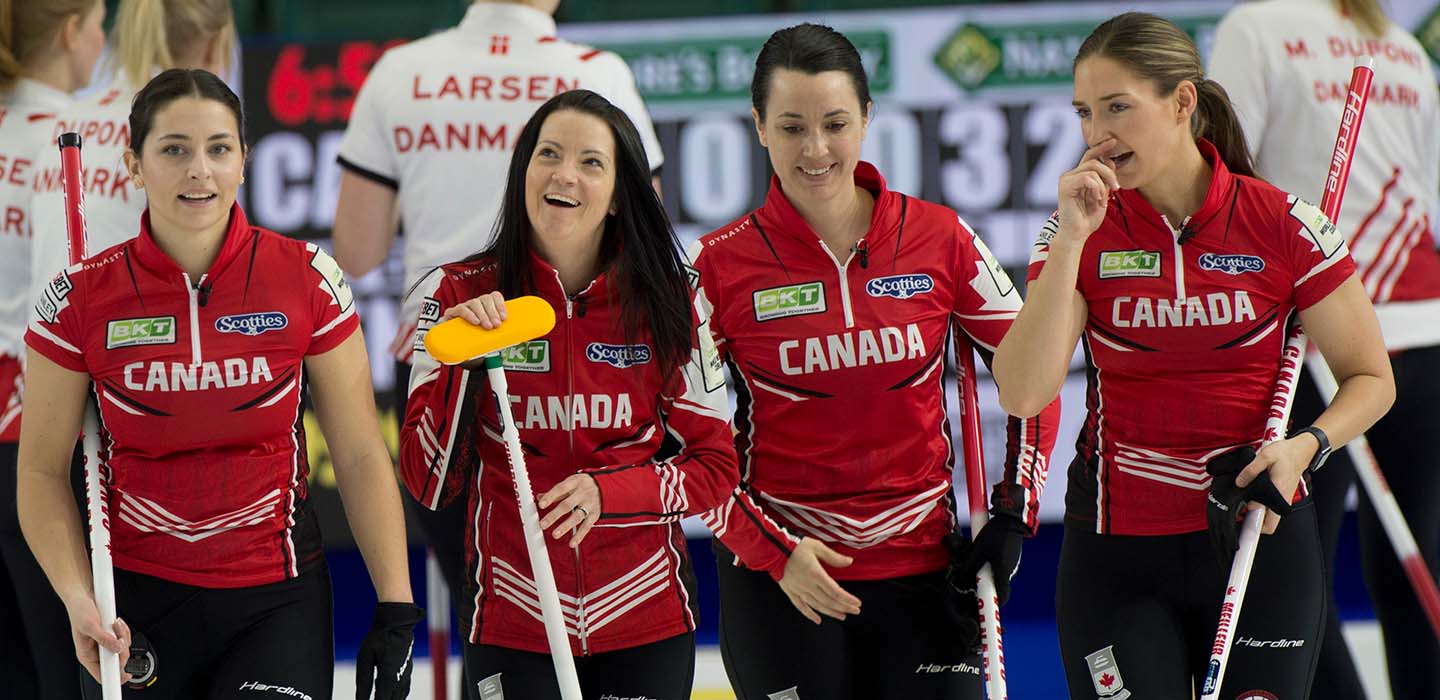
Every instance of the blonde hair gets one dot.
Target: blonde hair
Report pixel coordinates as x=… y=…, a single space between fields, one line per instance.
x=28 y=26
x=149 y=34
x=1366 y=14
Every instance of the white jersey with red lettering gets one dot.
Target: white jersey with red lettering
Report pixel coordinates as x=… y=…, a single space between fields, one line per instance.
x=1183 y=342
x=586 y=400
x=1287 y=65
x=438 y=117
x=27 y=125
x=199 y=385
x=838 y=367
x=112 y=203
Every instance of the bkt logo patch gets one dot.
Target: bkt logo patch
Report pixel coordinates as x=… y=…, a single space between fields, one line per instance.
x=252 y=324
x=158 y=330
x=790 y=300
x=1232 y=264
x=619 y=356
x=533 y=356
x=900 y=286
x=1129 y=263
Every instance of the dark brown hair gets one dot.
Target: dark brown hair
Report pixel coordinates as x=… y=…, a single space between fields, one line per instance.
x=1155 y=49
x=172 y=85
x=809 y=49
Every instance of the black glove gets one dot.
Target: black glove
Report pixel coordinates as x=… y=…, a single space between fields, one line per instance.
x=384 y=656
x=998 y=544
x=962 y=604
x=1226 y=502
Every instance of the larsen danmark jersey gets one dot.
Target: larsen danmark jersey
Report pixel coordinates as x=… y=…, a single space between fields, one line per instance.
x=585 y=400
x=1286 y=65
x=838 y=366
x=437 y=120
x=27 y=125
x=1183 y=342
x=198 y=383
x=112 y=203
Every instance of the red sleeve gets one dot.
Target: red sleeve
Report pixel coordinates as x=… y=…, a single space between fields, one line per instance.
x=437 y=445
x=757 y=541
x=1318 y=256
x=986 y=305
x=704 y=473
x=56 y=327
x=332 y=305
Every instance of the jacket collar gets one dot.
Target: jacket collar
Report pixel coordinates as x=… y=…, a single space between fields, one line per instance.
x=485 y=17
x=149 y=253
x=778 y=210
x=547 y=284
x=1217 y=197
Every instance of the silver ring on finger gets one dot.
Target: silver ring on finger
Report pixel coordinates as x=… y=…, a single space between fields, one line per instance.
x=584 y=512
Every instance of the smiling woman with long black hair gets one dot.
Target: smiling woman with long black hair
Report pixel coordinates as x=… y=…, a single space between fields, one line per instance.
x=621 y=410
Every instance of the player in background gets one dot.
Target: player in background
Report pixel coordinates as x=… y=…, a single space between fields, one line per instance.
x=833 y=304
x=1178 y=271
x=621 y=409
x=199 y=335
x=48 y=49
x=1285 y=64
x=426 y=151
x=149 y=36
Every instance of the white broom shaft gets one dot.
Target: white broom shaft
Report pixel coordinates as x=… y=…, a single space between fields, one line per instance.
x=96 y=514
x=535 y=544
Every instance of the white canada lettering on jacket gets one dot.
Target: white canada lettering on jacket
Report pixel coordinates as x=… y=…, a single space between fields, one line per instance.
x=183 y=376
x=1215 y=309
x=851 y=349
x=576 y=411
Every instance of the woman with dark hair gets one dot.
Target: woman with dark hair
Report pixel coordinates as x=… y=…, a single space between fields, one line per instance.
x=1179 y=271
x=832 y=305
x=1289 y=104
x=199 y=336
x=621 y=410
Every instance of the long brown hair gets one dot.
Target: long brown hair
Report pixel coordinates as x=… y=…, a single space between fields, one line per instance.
x=1155 y=49
x=26 y=28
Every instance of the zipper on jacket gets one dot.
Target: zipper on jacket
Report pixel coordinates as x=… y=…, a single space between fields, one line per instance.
x=194 y=291
x=843 y=270
x=1175 y=234
x=581 y=632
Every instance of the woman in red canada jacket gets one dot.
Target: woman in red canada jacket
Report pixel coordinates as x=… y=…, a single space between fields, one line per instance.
x=621 y=410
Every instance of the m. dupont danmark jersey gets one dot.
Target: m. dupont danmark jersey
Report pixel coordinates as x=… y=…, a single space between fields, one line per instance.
x=1286 y=65
x=585 y=400
x=838 y=364
x=1183 y=342
x=112 y=202
x=437 y=120
x=199 y=383
x=27 y=123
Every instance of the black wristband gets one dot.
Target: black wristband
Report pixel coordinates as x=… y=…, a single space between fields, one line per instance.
x=1322 y=452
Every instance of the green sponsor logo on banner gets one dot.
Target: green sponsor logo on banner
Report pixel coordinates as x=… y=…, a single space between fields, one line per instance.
x=1129 y=263
x=720 y=68
x=139 y=331
x=980 y=55
x=790 y=300
x=533 y=356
